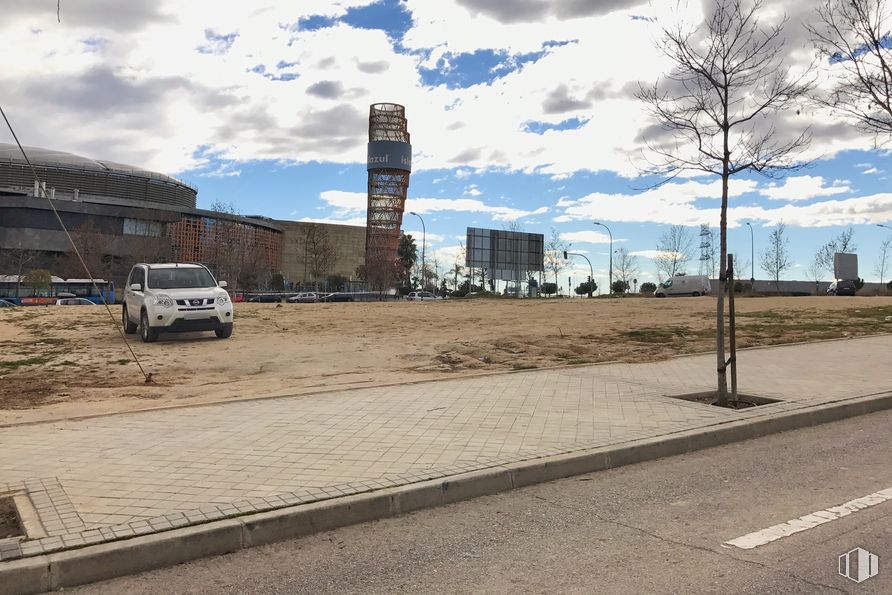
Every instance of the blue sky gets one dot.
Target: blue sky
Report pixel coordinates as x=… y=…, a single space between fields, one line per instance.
x=520 y=114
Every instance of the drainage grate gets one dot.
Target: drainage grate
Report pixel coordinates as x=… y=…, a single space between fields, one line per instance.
x=744 y=401
x=9 y=519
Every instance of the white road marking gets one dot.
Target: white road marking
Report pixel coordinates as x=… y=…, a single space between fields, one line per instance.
x=757 y=538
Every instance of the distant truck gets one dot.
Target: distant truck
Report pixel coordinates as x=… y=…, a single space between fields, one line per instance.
x=694 y=285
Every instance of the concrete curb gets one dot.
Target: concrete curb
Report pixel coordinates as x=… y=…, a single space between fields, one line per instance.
x=105 y=561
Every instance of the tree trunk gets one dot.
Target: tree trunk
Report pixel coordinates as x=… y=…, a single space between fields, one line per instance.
x=722 y=389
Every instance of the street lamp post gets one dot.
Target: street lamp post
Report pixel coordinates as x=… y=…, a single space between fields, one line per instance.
x=423 y=242
x=610 y=286
x=590 y=269
x=752 y=257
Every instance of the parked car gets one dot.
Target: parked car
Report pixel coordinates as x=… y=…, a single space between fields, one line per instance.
x=420 y=296
x=842 y=287
x=175 y=297
x=695 y=285
x=337 y=297
x=5 y=304
x=264 y=298
x=74 y=302
x=304 y=298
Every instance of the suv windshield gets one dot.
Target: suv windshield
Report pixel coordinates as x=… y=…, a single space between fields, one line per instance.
x=175 y=278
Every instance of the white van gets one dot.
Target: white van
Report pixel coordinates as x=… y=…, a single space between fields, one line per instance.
x=694 y=285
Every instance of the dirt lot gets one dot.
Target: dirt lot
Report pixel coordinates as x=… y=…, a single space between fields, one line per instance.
x=64 y=362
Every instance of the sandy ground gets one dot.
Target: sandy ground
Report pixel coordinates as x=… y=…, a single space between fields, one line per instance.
x=65 y=362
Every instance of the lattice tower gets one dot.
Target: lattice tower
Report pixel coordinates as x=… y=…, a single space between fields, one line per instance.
x=387 y=187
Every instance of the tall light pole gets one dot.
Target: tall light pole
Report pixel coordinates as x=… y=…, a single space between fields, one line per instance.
x=752 y=257
x=423 y=242
x=610 y=286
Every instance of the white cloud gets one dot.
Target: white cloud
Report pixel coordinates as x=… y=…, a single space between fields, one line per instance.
x=473 y=190
x=346 y=203
x=468 y=205
x=355 y=221
x=670 y=203
x=804 y=188
x=448 y=255
x=429 y=237
x=261 y=91
x=588 y=237
x=693 y=202
x=651 y=254
x=872 y=170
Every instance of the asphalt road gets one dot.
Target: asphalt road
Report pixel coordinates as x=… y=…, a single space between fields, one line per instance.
x=656 y=527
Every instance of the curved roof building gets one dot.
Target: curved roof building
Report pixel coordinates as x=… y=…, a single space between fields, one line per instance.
x=67 y=172
x=135 y=215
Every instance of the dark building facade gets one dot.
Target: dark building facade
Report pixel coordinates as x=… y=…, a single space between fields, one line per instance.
x=120 y=214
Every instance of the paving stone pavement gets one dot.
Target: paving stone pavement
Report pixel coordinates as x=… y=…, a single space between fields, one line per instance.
x=121 y=475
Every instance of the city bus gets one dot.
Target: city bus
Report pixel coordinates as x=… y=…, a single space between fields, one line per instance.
x=15 y=291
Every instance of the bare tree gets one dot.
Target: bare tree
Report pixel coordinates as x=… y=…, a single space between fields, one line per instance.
x=882 y=259
x=226 y=247
x=741 y=267
x=625 y=268
x=719 y=105
x=381 y=270
x=95 y=249
x=554 y=254
x=815 y=272
x=432 y=273
x=16 y=261
x=319 y=251
x=853 y=36
x=674 y=250
x=776 y=258
x=843 y=243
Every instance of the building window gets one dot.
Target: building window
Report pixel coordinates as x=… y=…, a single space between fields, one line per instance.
x=141 y=227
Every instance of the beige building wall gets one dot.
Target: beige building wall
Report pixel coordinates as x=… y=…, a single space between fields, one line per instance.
x=348 y=242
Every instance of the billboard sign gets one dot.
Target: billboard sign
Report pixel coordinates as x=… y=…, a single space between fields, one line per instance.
x=506 y=255
x=845 y=266
x=389 y=154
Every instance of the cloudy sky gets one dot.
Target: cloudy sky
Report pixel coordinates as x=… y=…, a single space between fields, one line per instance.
x=521 y=112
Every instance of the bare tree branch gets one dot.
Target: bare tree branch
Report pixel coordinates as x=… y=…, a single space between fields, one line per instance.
x=853 y=37
x=717 y=109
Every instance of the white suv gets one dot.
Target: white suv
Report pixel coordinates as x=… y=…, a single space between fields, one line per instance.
x=170 y=298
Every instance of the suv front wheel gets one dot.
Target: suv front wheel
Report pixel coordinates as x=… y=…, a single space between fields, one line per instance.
x=146 y=332
x=129 y=327
x=223 y=332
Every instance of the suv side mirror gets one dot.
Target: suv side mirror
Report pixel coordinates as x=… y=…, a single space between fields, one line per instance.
x=222 y=284
x=135 y=287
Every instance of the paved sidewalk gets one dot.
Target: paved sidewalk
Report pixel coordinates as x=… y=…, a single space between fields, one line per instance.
x=122 y=475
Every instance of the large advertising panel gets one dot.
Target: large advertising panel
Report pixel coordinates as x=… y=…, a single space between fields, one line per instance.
x=845 y=266
x=506 y=255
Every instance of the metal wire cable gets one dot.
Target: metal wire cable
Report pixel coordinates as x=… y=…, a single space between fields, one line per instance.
x=41 y=190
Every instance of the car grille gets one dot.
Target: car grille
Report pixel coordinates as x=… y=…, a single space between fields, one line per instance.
x=195 y=304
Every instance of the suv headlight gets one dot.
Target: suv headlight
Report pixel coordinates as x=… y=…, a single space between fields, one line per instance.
x=223 y=299
x=165 y=301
